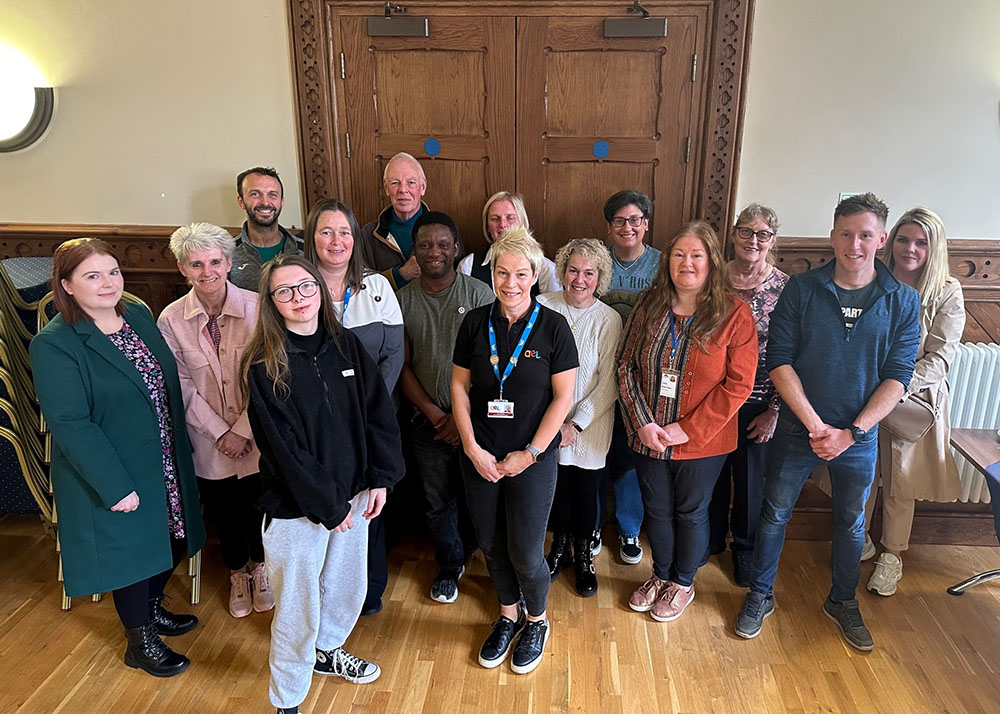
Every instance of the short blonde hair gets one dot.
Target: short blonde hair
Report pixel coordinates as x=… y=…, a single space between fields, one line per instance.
x=515 y=200
x=520 y=242
x=201 y=236
x=591 y=250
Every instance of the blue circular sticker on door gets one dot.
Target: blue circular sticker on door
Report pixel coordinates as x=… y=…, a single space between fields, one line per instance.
x=601 y=149
x=432 y=147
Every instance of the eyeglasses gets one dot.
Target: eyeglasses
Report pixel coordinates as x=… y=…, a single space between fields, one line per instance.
x=745 y=233
x=307 y=288
x=634 y=221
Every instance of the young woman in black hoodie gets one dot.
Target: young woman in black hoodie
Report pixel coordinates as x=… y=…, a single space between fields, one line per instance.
x=329 y=445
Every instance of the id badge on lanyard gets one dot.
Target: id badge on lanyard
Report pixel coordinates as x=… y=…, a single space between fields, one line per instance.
x=504 y=408
x=668 y=384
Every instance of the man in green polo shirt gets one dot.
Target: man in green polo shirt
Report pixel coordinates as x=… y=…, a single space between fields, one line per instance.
x=261 y=194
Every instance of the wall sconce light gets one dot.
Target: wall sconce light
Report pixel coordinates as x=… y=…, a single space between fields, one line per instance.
x=26 y=101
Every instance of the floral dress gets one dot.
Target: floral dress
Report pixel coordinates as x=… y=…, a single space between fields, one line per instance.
x=762 y=300
x=132 y=346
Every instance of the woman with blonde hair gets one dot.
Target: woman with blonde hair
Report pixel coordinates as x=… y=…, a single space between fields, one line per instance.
x=207 y=330
x=511 y=388
x=585 y=436
x=505 y=210
x=925 y=469
x=686 y=365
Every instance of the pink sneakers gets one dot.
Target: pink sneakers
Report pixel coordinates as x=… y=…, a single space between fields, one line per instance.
x=672 y=602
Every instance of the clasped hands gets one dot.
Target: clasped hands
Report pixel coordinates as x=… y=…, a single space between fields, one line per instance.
x=492 y=470
x=829 y=442
x=658 y=438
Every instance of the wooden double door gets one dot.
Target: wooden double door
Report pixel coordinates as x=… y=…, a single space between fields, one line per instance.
x=510 y=97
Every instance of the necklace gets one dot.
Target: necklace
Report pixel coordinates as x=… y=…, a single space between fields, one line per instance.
x=754 y=282
x=583 y=314
x=627 y=265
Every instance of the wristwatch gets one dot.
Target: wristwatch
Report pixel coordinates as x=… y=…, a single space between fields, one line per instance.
x=536 y=454
x=858 y=433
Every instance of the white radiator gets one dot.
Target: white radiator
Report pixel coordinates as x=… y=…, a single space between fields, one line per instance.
x=974 y=379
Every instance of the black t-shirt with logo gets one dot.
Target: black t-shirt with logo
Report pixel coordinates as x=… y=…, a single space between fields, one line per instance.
x=854 y=302
x=550 y=349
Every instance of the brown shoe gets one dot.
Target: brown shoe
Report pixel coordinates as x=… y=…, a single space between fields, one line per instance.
x=642 y=599
x=263 y=596
x=672 y=603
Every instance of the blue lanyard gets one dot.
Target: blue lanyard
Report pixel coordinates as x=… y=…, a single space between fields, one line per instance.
x=347 y=301
x=675 y=337
x=495 y=359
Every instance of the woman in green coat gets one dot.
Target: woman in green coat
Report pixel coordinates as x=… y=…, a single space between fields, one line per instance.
x=122 y=474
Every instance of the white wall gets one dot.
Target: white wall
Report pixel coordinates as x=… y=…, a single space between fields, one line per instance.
x=159 y=106
x=899 y=97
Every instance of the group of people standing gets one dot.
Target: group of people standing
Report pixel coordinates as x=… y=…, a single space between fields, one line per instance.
x=675 y=380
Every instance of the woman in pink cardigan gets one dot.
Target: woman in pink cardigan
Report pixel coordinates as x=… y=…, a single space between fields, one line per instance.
x=207 y=330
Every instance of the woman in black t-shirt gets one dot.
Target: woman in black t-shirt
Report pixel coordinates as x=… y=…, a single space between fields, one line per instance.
x=512 y=387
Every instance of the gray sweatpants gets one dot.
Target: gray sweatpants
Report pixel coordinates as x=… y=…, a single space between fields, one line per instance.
x=319 y=578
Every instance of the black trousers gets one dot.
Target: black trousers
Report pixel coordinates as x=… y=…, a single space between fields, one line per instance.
x=743 y=476
x=574 y=508
x=229 y=502
x=510 y=517
x=132 y=601
x=675 y=496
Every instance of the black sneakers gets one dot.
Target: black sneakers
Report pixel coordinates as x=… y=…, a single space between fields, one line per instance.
x=847 y=615
x=756 y=607
x=497 y=645
x=445 y=585
x=340 y=663
x=531 y=646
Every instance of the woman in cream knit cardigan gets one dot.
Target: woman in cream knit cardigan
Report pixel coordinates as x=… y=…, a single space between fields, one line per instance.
x=584 y=267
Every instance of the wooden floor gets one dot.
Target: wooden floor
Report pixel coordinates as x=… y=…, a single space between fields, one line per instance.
x=934 y=652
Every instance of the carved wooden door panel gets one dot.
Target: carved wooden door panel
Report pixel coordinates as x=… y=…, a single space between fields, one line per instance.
x=446 y=99
x=596 y=115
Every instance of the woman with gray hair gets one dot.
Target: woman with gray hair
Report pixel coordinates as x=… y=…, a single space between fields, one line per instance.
x=584 y=267
x=511 y=389
x=207 y=330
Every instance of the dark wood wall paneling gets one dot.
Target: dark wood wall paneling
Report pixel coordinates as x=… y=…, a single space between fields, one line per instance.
x=151 y=273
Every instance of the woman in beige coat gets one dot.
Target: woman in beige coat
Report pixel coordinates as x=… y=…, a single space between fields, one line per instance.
x=925 y=470
x=207 y=330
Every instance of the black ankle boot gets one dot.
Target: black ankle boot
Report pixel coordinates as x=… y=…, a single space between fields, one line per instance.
x=147 y=651
x=560 y=555
x=166 y=623
x=583 y=568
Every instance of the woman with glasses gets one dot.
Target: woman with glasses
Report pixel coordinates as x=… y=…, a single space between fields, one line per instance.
x=754 y=278
x=633 y=267
x=366 y=305
x=329 y=448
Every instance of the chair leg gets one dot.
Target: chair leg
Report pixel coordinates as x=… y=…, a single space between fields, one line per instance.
x=973 y=581
x=194 y=570
x=67 y=601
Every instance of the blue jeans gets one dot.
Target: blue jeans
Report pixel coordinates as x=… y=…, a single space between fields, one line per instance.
x=790 y=459
x=447 y=515
x=624 y=483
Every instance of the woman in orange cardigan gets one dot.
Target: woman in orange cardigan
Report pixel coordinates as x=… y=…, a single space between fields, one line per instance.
x=686 y=365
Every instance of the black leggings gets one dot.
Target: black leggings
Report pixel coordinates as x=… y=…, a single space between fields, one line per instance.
x=574 y=508
x=229 y=502
x=132 y=601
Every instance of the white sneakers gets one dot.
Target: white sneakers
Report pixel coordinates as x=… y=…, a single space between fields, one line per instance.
x=888 y=572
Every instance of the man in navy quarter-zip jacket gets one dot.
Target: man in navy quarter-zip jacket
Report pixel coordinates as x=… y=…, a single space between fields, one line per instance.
x=842 y=343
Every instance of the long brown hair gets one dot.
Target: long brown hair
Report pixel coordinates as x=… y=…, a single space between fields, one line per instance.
x=714 y=301
x=67 y=259
x=356 y=266
x=268 y=343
